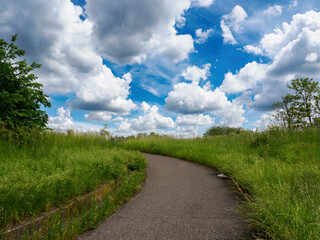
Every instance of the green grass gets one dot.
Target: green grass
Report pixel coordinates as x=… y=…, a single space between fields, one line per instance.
x=51 y=169
x=280 y=172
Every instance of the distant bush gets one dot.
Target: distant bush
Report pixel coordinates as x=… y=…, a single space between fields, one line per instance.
x=221 y=130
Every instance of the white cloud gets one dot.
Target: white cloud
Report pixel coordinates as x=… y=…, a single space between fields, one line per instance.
x=253 y=50
x=180 y=22
x=264 y=121
x=227 y=35
x=128 y=31
x=105 y=92
x=194 y=120
x=145 y=107
x=232 y=22
x=231 y=115
x=98 y=116
x=202 y=36
x=247 y=78
x=273 y=11
x=294 y=51
x=273 y=43
x=193 y=99
x=176 y=47
x=63 y=121
x=312 y=57
x=195 y=74
x=294 y=4
x=202 y=3
x=152 y=120
x=118 y=119
x=54 y=35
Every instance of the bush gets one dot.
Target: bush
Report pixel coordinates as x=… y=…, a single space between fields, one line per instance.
x=221 y=130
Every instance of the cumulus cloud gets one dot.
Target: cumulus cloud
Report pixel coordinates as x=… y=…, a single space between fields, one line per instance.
x=195 y=74
x=253 y=49
x=194 y=120
x=62 y=122
x=176 y=47
x=152 y=120
x=312 y=57
x=128 y=31
x=246 y=78
x=232 y=22
x=193 y=99
x=202 y=3
x=98 y=116
x=202 y=36
x=105 y=92
x=294 y=51
x=273 y=11
x=264 y=121
x=54 y=35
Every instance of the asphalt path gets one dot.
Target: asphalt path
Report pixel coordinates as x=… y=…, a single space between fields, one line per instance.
x=179 y=200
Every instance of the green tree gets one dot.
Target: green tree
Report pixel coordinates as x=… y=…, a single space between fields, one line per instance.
x=301 y=108
x=104 y=132
x=20 y=96
x=284 y=114
x=317 y=108
x=304 y=97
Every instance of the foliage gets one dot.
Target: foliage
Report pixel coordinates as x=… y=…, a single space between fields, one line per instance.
x=221 y=130
x=20 y=96
x=104 y=132
x=52 y=168
x=278 y=169
x=300 y=109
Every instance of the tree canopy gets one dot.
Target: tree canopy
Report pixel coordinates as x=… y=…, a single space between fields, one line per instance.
x=20 y=96
x=301 y=108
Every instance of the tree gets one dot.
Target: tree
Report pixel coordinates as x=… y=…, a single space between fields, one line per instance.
x=104 y=132
x=301 y=108
x=20 y=96
x=305 y=91
x=317 y=108
x=284 y=113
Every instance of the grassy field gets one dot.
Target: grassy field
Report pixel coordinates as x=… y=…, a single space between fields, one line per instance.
x=51 y=169
x=279 y=171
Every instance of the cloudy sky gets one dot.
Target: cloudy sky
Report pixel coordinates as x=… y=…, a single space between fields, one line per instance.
x=174 y=67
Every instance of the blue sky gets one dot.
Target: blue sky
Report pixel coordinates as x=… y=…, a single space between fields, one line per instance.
x=173 y=67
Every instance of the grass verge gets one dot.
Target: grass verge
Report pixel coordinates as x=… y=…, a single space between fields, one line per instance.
x=279 y=170
x=51 y=169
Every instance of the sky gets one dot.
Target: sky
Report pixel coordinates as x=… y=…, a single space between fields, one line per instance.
x=170 y=67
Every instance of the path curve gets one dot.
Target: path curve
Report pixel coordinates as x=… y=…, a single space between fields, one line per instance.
x=179 y=200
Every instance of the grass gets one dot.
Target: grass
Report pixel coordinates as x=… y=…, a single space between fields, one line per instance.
x=280 y=172
x=51 y=169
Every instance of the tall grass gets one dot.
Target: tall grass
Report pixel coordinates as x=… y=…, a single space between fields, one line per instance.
x=280 y=172
x=50 y=169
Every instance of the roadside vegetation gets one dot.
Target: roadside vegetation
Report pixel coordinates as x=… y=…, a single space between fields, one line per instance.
x=51 y=169
x=278 y=172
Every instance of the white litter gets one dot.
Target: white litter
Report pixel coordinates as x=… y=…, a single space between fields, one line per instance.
x=222 y=175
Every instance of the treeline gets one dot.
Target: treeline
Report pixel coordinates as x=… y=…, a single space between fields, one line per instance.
x=300 y=108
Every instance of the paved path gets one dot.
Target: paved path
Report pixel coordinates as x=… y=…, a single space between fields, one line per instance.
x=179 y=200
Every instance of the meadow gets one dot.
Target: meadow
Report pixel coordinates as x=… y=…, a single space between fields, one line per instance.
x=278 y=173
x=50 y=169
